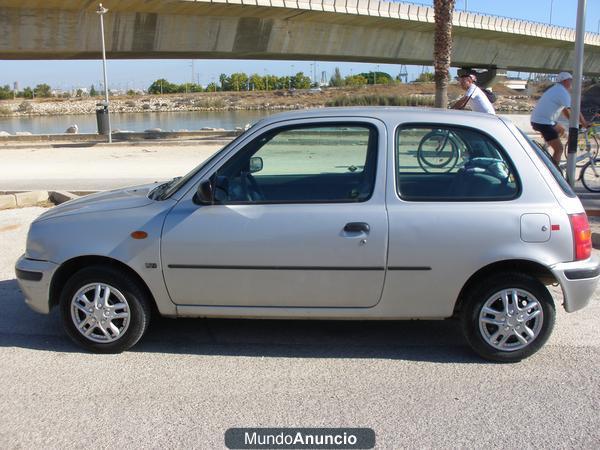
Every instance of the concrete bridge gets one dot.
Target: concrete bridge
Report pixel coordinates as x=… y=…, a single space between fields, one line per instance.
x=334 y=30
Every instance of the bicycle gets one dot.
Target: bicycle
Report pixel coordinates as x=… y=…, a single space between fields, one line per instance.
x=590 y=172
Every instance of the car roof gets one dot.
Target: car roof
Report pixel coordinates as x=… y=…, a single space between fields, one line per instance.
x=389 y=114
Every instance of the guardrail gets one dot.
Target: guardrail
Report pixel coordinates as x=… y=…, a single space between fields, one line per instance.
x=422 y=13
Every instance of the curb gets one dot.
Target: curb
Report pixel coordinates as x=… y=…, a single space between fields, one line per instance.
x=11 y=200
x=596 y=241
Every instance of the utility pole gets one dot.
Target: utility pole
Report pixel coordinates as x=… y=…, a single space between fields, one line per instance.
x=576 y=94
x=101 y=11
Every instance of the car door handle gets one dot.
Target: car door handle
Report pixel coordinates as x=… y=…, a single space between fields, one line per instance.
x=357 y=227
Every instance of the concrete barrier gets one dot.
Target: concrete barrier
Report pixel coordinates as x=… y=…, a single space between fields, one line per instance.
x=118 y=136
x=8 y=201
x=58 y=197
x=31 y=198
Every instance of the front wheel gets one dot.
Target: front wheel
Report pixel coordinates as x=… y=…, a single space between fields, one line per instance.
x=508 y=317
x=590 y=176
x=104 y=310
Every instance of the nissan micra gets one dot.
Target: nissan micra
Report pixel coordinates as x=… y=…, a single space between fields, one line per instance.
x=358 y=213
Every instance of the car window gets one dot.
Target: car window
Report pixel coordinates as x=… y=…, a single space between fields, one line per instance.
x=333 y=163
x=547 y=160
x=452 y=164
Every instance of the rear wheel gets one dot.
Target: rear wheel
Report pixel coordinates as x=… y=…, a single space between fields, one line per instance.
x=590 y=176
x=508 y=317
x=437 y=151
x=104 y=310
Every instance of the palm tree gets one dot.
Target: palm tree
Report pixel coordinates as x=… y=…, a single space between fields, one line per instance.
x=442 y=49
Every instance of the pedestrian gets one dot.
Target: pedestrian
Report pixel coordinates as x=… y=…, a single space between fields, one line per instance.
x=544 y=117
x=474 y=96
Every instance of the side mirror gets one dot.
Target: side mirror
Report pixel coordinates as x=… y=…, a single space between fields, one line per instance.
x=256 y=164
x=204 y=194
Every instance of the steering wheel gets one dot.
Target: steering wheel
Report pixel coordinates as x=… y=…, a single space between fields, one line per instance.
x=489 y=166
x=250 y=188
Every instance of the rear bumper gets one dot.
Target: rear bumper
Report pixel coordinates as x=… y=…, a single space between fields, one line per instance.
x=34 y=280
x=578 y=281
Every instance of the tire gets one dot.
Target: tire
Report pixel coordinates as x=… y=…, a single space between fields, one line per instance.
x=593 y=149
x=102 y=326
x=484 y=330
x=595 y=144
x=444 y=158
x=589 y=179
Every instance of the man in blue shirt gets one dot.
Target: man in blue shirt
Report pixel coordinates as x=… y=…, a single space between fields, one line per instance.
x=545 y=114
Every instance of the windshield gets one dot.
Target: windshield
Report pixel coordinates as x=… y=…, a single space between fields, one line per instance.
x=174 y=185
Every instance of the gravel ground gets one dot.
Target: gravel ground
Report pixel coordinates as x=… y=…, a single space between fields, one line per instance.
x=415 y=383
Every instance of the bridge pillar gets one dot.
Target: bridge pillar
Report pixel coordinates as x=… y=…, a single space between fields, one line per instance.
x=485 y=77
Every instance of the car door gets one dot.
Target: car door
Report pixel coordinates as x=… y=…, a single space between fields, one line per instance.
x=298 y=220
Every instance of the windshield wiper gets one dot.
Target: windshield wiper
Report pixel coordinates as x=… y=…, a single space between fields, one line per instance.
x=158 y=191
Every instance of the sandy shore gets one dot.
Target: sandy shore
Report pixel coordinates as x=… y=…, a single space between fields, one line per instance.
x=98 y=167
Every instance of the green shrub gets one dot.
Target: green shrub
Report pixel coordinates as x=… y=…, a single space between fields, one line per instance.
x=383 y=100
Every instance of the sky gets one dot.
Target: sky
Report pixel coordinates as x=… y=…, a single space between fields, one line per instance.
x=139 y=74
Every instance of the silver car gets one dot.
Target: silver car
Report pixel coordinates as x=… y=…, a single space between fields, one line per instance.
x=359 y=213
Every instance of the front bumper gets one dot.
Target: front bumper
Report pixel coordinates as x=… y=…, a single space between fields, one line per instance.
x=578 y=281
x=34 y=280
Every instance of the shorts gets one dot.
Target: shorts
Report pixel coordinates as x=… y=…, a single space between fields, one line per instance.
x=548 y=131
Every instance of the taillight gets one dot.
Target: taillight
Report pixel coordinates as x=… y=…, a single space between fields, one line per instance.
x=582 y=236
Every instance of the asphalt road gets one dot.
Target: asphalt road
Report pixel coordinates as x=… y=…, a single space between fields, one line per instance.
x=415 y=383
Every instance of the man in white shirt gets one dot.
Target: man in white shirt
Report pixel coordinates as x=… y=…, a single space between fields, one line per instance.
x=545 y=114
x=474 y=96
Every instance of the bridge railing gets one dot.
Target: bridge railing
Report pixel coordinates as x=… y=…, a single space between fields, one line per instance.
x=424 y=13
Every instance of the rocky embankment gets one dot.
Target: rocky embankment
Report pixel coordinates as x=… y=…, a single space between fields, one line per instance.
x=508 y=101
x=231 y=101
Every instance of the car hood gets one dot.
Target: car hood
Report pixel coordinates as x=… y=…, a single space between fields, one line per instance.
x=130 y=197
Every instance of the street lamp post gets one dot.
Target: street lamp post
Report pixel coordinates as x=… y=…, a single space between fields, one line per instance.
x=101 y=11
x=576 y=94
x=551 y=4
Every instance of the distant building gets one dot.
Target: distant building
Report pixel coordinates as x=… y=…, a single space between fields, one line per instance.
x=516 y=84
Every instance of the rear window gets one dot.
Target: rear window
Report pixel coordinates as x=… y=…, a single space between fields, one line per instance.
x=547 y=160
x=451 y=163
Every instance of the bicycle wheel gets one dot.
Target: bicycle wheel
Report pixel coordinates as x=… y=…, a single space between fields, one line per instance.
x=595 y=146
x=437 y=150
x=590 y=176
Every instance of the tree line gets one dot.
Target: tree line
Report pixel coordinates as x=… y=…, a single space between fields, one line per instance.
x=241 y=81
x=238 y=81
x=41 y=90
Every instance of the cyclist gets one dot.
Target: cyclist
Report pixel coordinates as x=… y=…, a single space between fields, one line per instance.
x=543 y=118
x=478 y=100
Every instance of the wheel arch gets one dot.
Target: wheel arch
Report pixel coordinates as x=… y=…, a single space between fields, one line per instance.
x=67 y=269
x=531 y=268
